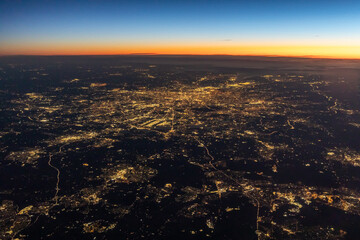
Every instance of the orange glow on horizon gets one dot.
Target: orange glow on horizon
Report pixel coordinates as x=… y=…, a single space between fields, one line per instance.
x=318 y=51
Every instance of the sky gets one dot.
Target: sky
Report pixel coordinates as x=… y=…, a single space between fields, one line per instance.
x=259 y=27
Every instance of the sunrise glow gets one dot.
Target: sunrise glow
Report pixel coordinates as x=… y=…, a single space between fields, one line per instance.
x=304 y=29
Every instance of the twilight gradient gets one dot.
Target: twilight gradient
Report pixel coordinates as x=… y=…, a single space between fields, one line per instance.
x=261 y=27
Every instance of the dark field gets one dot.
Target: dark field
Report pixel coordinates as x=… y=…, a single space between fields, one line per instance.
x=175 y=147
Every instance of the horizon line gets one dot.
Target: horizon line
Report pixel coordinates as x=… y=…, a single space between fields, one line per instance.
x=170 y=54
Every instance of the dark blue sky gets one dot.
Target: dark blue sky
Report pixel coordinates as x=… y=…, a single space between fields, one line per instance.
x=32 y=24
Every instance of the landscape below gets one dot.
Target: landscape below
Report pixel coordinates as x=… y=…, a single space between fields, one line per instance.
x=179 y=147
